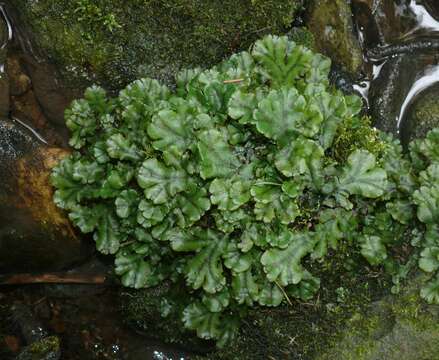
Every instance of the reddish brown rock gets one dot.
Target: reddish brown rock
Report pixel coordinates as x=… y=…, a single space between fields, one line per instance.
x=34 y=234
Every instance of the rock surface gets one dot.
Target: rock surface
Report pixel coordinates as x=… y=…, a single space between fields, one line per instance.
x=422 y=115
x=34 y=233
x=433 y=8
x=394 y=328
x=331 y=23
x=383 y=21
x=390 y=89
x=113 y=42
x=4 y=81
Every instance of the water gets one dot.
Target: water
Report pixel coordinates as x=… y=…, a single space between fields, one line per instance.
x=419 y=36
x=424 y=21
x=427 y=79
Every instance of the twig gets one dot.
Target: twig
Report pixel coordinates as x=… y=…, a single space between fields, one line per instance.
x=283 y=292
x=51 y=278
x=267 y=183
x=233 y=81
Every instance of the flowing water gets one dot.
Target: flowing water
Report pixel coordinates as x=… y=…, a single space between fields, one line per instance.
x=401 y=63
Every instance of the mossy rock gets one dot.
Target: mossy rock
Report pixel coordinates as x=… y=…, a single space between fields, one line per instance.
x=331 y=23
x=401 y=327
x=113 y=42
x=296 y=332
x=45 y=349
x=422 y=115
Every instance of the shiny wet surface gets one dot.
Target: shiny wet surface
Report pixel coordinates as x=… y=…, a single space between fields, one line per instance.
x=400 y=41
x=86 y=318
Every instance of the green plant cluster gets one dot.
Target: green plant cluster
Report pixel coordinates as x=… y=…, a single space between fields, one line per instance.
x=233 y=188
x=93 y=17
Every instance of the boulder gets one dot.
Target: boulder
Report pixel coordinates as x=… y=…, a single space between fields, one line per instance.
x=34 y=234
x=113 y=42
x=383 y=22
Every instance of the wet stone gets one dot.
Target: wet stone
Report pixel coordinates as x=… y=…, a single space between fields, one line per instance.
x=422 y=115
x=45 y=349
x=385 y=21
x=4 y=81
x=4 y=95
x=331 y=23
x=34 y=233
x=20 y=82
x=392 y=89
x=433 y=7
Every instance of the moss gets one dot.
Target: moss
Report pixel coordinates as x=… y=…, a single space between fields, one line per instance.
x=113 y=42
x=294 y=332
x=331 y=23
x=301 y=331
x=45 y=346
x=302 y=36
x=45 y=349
x=356 y=133
x=141 y=310
x=399 y=327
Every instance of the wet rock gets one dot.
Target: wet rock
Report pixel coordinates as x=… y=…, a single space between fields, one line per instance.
x=4 y=81
x=52 y=96
x=34 y=233
x=40 y=345
x=395 y=328
x=4 y=94
x=45 y=349
x=20 y=82
x=331 y=23
x=341 y=79
x=422 y=115
x=141 y=311
x=433 y=8
x=25 y=106
x=131 y=39
x=30 y=328
x=383 y=21
x=414 y=47
x=391 y=90
x=12 y=343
